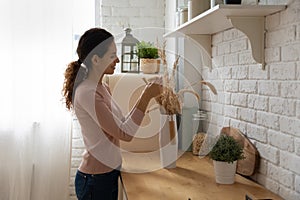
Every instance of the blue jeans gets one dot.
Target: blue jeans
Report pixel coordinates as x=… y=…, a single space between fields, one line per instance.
x=98 y=186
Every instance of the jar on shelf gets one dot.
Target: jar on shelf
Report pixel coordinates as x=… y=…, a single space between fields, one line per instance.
x=183 y=15
x=199 y=116
x=177 y=19
x=196 y=7
x=198 y=135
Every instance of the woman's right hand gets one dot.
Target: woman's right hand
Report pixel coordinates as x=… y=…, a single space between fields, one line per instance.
x=154 y=88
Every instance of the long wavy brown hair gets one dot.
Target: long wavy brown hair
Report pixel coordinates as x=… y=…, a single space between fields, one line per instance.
x=75 y=73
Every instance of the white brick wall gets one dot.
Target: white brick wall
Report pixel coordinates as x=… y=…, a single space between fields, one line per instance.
x=298 y=68
x=280 y=175
x=290 y=126
x=291 y=52
x=282 y=106
x=264 y=104
x=231 y=86
x=231 y=111
x=77 y=150
x=268 y=120
x=290 y=89
x=256 y=73
x=290 y=161
x=247 y=115
x=297 y=183
x=268 y=152
x=286 y=71
x=268 y=88
x=257 y=133
x=240 y=72
x=117 y=15
x=272 y=55
x=282 y=141
x=258 y=102
x=145 y=18
x=248 y=86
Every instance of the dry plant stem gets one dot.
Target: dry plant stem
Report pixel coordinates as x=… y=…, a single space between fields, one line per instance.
x=210 y=86
x=145 y=80
x=169 y=99
x=172 y=77
x=154 y=108
x=180 y=93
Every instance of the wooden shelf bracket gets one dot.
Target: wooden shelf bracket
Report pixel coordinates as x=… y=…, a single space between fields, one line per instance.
x=254 y=28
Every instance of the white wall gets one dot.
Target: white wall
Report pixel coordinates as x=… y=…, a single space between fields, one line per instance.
x=145 y=18
x=263 y=104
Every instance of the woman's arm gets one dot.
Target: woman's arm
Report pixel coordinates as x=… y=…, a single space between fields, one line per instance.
x=125 y=129
x=152 y=90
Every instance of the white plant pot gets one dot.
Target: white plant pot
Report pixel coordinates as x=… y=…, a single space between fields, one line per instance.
x=149 y=66
x=225 y=172
x=168 y=141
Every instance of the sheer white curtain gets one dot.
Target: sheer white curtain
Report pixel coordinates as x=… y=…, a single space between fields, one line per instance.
x=35 y=46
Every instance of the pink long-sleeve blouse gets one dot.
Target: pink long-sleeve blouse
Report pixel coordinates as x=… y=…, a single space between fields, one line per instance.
x=102 y=126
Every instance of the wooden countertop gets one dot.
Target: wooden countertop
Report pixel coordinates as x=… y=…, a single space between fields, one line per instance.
x=193 y=178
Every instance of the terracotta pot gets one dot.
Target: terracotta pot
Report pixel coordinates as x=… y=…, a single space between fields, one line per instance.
x=149 y=66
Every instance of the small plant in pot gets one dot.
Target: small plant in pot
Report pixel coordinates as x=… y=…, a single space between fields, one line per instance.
x=148 y=55
x=225 y=154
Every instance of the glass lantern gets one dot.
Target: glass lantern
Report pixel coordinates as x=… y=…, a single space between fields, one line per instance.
x=129 y=59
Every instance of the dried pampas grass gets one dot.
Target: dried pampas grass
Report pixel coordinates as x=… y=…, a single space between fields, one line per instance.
x=171 y=102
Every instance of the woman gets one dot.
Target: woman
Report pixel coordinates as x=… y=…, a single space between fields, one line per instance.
x=102 y=123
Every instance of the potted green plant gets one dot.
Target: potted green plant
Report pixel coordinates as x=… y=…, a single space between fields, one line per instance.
x=148 y=55
x=225 y=154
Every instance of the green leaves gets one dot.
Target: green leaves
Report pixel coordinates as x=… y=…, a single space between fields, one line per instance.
x=147 y=50
x=227 y=149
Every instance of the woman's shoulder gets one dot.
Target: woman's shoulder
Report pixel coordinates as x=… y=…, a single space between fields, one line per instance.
x=86 y=86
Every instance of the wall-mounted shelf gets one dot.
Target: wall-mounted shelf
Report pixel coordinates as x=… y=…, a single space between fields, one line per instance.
x=250 y=19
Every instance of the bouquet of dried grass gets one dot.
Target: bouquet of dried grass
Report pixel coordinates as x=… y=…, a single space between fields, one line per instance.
x=171 y=102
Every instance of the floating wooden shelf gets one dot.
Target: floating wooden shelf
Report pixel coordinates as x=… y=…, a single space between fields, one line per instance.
x=250 y=19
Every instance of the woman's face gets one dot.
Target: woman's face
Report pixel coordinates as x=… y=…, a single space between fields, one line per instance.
x=107 y=63
x=110 y=59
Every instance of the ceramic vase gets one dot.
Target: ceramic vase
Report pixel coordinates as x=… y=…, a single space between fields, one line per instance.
x=225 y=172
x=168 y=141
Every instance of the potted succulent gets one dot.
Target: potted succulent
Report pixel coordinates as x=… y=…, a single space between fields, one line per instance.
x=148 y=55
x=225 y=154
